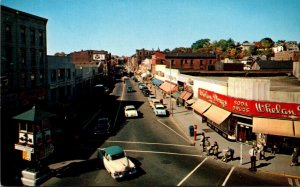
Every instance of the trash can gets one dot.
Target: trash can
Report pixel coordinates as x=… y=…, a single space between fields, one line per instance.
x=191 y=130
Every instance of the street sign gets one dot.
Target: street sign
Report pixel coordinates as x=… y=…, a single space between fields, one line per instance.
x=24 y=148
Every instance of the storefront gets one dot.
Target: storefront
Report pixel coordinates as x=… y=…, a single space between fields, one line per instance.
x=168 y=87
x=248 y=120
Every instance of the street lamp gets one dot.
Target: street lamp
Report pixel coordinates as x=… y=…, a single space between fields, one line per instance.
x=171 y=106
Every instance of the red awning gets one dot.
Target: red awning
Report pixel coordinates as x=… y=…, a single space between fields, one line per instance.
x=168 y=87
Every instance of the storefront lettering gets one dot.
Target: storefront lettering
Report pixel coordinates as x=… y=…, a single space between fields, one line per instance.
x=273 y=110
x=241 y=106
x=205 y=94
x=219 y=100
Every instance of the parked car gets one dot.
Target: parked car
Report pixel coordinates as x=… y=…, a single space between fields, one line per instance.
x=141 y=86
x=100 y=89
x=129 y=89
x=150 y=97
x=159 y=110
x=130 y=111
x=103 y=127
x=115 y=161
x=146 y=92
x=154 y=102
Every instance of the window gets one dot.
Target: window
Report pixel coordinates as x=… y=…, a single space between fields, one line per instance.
x=23 y=79
x=23 y=57
x=61 y=74
x=33 y=57
x=53 y=75
x=41 y=40
x=68 y=72
x=210 y=61
x=41 y=56
x=42 y=76
x=32 y=36
x=23 y=34
x=8 y=33
x=172 y=62
x=181 y=62
x=185 y=61
x=33 y=78
x=192 y=62
x=9 y=56
x=201 y=62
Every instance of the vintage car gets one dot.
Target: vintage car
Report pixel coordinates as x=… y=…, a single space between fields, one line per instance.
x=103 y=127
x=159 y=110
x=150 y=97
x=130 y=111
x=154 y=102
x=129 y=89
x=116 y=162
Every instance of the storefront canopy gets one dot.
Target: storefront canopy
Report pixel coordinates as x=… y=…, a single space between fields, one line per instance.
x=273 y=126
x=157 y=82
x=185 y=95
x=201 y=106
x=168 y=87
x=190 y=101
x=175 y=95
x=217 y=114
x=297 y=128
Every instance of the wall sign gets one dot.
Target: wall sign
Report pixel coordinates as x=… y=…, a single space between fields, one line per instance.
x=290 y=111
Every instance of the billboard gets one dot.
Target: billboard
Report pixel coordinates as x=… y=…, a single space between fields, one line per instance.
x=98 y=56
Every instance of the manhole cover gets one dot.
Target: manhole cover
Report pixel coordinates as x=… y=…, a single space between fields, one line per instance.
x=208 y=130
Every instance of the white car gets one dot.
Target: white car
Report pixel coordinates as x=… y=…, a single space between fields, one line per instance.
x=116 y=162
x=130 y=111
x=159 y=110
x=150 y=97
x=154 y=102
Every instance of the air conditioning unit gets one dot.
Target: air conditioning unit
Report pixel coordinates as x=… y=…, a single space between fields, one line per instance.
x=30 y=139
x=22 y=137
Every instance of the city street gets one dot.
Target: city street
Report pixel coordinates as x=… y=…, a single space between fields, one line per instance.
x=161 y=151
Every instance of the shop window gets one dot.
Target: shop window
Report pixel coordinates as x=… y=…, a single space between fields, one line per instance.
x=53 y=75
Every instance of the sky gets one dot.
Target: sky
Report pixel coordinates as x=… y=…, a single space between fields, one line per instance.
x=122 y=26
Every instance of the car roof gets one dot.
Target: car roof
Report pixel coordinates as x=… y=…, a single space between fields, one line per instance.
x=155 y=100
x=129 y=106
x=113 y=150
x=160 y=105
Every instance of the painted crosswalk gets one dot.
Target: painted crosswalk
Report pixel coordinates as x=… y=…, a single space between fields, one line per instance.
x=293 y=182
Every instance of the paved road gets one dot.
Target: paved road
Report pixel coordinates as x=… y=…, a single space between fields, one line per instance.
x=159 y=148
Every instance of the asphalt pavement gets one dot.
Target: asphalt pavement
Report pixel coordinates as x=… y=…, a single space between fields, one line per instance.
x=278 y=164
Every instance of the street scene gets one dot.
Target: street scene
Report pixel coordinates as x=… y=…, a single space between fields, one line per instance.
x=138 y=99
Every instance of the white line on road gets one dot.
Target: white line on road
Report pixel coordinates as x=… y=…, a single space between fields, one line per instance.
x=149 y=143
x=174 y=131
x=157 y=152
x=191 y=172
x=119 y=107
x=224 y=183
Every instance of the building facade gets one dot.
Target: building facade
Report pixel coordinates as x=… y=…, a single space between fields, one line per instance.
x=288 y=55
x=23 y=60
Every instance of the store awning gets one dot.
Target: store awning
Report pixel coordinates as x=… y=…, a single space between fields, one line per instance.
x=297 y=128
x=190 y=101
x=216 y=114
x=187 y=95
x=273 y=126
x=176 y=94
x=157 y=82
x=201 y=106
x=168 y=87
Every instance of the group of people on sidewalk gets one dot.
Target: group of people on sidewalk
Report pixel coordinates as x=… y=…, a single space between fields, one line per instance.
x=214 y=149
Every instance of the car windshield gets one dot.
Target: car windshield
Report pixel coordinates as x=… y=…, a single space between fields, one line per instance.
x=160 y=107
x=130 y=109
x=118 y=156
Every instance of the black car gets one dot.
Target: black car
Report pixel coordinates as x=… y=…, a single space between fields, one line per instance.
x=103 y=127
x=146 y=92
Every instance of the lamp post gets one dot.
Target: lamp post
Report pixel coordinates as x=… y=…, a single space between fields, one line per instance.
x=171 y=106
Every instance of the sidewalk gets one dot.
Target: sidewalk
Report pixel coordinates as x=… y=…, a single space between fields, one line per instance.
x=278 y=164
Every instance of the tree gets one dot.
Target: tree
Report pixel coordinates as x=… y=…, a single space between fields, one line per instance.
x=200 y=44
x=267 y=43
x=60 y=54
x=182 y=50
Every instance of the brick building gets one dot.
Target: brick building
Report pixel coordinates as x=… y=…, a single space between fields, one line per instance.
x=193 y=61
x=288 y=55
x=158 y=57
x=142 y=54
x=23 y=60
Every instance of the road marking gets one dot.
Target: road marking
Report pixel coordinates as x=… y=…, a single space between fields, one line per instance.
x=166 y=153
x=224 y=183
x=149 y=143
x=290 y=181
x=174 y=131
x=191 y=172
x=87 y=122
x=119 y=106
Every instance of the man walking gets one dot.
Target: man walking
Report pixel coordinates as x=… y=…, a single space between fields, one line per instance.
x=252 y=153
x=202 y=141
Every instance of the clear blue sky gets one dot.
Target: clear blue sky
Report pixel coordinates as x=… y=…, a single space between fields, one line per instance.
x=122 y=26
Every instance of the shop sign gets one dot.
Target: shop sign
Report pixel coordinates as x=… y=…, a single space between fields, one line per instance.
x=24 y=148
x=290 y=111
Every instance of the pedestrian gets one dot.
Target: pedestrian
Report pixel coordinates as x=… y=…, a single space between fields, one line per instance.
x=252 y=153
x=202 y=141
x=261 y=153
x=216 y=150
x=294 y=158
x=274 y=149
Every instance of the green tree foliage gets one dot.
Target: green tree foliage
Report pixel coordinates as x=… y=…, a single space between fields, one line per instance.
x=200 y=44
x=182 y=50
x=60 y=54
x=267 y=43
